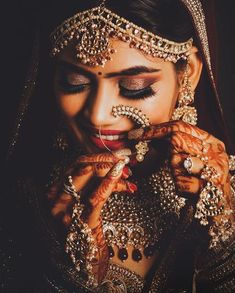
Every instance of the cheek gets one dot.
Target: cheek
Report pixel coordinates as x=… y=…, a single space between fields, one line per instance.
x=70 y=105
x=159 y=109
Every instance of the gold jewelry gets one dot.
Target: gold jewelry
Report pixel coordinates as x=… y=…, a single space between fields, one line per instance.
x=79 y=241
x=207 y=206
x=93 y=29
x=232 y=163
x=209 y=173
x=133 y=113
x=121 y=280
x=186 y=97
x=137 y=116
x=70 y=189
x=117 y=169
x=221 y=231
x=141 y=150
x=135 y=221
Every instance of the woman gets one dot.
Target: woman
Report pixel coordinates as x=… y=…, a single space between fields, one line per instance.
x=131 y=196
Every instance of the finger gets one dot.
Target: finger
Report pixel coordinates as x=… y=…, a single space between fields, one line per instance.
x=186 y=143
x=164 y=129
x=184 y=164
x=188 y=185
x=82 y=176
x=101 y=194
x=61 y=205
x=125 y=186
x=67 y=219
x=102 y=169
x=105 y=157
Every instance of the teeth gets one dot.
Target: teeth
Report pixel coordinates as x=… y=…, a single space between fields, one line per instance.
x=110 y=137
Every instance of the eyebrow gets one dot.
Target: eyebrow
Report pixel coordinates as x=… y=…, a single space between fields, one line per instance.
x=136 y=70
x=132 y=71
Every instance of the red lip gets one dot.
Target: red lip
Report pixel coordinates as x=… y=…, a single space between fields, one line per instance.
x=105 y=131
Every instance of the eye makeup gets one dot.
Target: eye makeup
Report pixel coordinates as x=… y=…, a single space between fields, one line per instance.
x=137 y=88
x=72 y=82
x=133 y=88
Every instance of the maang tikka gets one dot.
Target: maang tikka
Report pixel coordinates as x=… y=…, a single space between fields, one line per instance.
x=141 y=119
x=185 y=112
x=93 y=29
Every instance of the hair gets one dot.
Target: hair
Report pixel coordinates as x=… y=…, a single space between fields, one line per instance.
x=166 y=18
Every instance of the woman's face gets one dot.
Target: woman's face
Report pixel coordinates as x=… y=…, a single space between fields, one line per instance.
x=86 y=95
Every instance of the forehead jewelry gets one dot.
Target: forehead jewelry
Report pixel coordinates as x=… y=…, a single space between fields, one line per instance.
x=141 y=119
x=93 y=28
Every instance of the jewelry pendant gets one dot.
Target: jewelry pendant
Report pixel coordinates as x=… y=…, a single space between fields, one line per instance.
x=123 y=254
x=141 y=150
x=136 y=255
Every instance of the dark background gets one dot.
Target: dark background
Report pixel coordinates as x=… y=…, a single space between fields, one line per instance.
x=18 y=23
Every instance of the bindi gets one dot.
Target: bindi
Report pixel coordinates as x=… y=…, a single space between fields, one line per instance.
x=99 y=73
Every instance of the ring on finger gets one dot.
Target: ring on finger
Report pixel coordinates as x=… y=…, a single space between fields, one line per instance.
x=193 y=165
x=188 y=164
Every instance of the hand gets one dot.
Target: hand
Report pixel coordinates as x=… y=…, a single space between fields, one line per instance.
x=112 y=172
x=185 y=140
x=83 y=171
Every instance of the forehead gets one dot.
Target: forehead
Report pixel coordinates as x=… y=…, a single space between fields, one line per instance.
x=124 y=57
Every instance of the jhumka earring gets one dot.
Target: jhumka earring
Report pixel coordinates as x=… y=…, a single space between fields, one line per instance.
x=137 y=116
x=185 y=112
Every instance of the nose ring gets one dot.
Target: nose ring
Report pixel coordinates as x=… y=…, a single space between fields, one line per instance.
x=140 y=118
x=133 y=113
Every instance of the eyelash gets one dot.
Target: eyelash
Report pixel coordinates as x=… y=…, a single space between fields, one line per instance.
x=139 y=94
x=143 y=93
x=72 y=89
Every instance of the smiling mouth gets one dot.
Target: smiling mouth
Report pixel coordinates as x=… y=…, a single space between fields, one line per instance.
x=110 y=137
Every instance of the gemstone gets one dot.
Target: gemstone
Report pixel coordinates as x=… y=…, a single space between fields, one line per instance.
x=123 y=254
x=111 y=251
x=136 y=255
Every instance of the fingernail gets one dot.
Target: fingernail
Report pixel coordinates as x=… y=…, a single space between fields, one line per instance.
x=135 y=133
x=126 y=172
x=133 y=162
x=122 y=152
x=132 y=187
x=117 y=169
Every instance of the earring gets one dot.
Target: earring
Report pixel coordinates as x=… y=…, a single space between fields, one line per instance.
x=137 y=116
x=185 y=112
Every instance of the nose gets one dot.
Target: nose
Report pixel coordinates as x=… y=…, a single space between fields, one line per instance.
x=99 y=107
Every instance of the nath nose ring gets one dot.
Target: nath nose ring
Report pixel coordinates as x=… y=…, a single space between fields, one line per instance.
x=140 y=118
x=132 y=113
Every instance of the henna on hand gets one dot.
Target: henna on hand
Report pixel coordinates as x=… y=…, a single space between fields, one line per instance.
x=186 y=139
